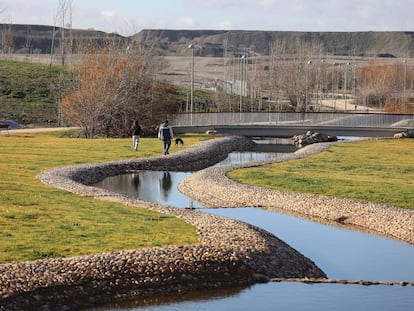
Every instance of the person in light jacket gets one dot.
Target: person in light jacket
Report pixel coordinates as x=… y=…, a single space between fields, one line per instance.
x=165 y=133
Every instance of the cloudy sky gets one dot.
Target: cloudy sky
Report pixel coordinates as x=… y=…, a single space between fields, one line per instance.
x=129 y=16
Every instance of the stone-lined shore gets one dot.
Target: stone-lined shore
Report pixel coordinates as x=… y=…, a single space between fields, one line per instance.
x=212 y=188
x=229 y=253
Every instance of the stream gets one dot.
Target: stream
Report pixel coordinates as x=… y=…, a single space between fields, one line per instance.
x=340 y=253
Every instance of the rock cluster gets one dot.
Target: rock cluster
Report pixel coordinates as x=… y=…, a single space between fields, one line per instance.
x=230 y=253
x=409 y=133
x=311 y=138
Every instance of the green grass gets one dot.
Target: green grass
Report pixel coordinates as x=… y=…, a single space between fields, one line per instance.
x=377 y=171
x=38 y=221
x=26 y=90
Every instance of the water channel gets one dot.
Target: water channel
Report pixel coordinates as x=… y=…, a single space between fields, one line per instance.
x=339 y=252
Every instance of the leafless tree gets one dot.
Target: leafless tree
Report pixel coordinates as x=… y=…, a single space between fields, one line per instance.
x=6 y=37
x=114 y=85
x=386 y=85
x=63 y=20
x=292 y=73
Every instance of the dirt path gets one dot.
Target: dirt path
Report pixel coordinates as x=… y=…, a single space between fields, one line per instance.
x=34 y=130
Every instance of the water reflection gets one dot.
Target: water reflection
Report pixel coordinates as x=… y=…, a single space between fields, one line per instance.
x=165 y=184
x=341 y=253
x=285 y=296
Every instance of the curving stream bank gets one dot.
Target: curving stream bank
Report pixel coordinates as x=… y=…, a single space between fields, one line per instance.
x=212 y=188
x=230 y=253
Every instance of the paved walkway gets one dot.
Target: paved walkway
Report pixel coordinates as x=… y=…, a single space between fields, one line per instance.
x=34 y=130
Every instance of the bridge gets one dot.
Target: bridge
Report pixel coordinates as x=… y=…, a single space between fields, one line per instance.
x=290 y=124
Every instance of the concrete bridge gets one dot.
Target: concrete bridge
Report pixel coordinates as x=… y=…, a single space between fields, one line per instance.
x=291 y=124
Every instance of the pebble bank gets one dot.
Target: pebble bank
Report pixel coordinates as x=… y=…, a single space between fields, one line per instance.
x=229 y=253
x=212 y=188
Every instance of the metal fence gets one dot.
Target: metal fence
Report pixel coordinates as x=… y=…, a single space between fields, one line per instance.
x=293 y=118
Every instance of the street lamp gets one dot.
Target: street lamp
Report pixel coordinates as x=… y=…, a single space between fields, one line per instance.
x=192 y=46
x=332 y=85
x=404 y=82
x=319 y=85
x=306 y=91
x=345 y=86
x=241 y=84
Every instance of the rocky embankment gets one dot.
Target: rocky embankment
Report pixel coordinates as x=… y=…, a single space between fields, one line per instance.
x=212 y=188
x=229 y=253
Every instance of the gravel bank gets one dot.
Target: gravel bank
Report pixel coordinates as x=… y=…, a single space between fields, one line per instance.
x=230 y=253
x=212 y=188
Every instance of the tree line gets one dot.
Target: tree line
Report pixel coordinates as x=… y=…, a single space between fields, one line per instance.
x=299 y=76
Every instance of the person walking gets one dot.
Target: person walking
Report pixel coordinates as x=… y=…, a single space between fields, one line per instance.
x=165 y=133
x=136 y=132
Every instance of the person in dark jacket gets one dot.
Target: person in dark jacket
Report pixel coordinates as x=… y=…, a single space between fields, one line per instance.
x=136 y=132
x=165 y=133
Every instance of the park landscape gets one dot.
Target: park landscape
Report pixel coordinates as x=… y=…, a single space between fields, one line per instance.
x=39 y=222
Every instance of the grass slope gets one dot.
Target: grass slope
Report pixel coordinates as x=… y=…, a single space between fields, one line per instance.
x=378 y=171
x=37 y=221
x=26 y=94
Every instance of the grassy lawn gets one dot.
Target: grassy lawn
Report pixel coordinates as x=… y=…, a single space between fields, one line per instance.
x=37 y=221
x=378 y=171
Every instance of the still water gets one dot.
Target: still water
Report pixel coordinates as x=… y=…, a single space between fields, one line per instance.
x=340 y=253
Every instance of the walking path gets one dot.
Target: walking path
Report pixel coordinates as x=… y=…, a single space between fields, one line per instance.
x=34 y=130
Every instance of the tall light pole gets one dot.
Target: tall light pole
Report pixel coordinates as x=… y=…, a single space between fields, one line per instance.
x=404 y=82
x=332 y=84
x=242 y=57
x=306 y=90
x=345 y=86
x=319 y=84
x=192 y=46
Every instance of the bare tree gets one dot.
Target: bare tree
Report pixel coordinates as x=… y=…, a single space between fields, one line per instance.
x=7 y=44
x=115 y=85
x=63 y=18
x=292 y=74
x=6 y=37
x=384 y=85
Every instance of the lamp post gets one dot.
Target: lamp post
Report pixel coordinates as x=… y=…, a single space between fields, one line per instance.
x=332 y=85
x=241 y=85
x=404 y=82
x=345 y=86
x=319 y=85
x=192 y=46
x=306 y=90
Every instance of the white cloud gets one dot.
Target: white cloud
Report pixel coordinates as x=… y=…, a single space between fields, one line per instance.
x=109 y=15
x=225 y=25
x=186 y=21
x=217 y=4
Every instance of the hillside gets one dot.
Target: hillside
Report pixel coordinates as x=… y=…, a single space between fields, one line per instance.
x=213 y=43
x=28 y=90
x=37 y=39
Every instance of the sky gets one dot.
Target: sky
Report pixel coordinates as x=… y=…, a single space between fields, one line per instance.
x=127 y=17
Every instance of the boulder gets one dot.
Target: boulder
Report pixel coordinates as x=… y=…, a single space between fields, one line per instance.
x=407 y=134
x=311 y=138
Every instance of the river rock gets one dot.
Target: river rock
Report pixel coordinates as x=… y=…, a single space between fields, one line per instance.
x=311 y=138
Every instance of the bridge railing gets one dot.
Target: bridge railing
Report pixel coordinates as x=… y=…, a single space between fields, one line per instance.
x=293 y=118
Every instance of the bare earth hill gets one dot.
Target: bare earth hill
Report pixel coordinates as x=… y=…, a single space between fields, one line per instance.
x=37 y=39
